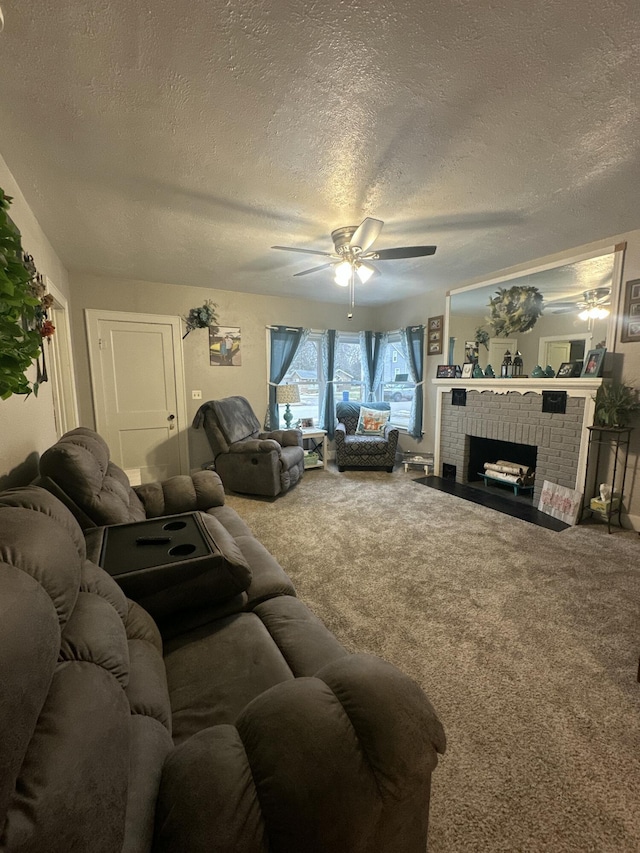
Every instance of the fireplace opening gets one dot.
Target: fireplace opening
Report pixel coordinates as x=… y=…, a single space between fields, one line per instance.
x=482 y=450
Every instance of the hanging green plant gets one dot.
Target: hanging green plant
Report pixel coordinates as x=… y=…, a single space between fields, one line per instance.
x=204 y=317
x=515 y=309
x=20 y=341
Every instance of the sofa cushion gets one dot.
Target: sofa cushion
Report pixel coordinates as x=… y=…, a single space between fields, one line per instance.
x=41 y=500
x=182 y=493
x=214 y=671
x=371 y=421
x=92 y=487
x=363 y=445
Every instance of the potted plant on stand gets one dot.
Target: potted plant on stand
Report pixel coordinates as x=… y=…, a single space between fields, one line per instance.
x=616 y=403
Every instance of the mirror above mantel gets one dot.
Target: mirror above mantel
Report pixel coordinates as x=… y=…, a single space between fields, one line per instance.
x=580 y=296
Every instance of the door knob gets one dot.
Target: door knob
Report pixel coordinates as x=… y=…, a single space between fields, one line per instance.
x=171 y=418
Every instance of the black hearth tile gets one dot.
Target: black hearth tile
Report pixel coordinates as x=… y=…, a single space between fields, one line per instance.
x=491 y=500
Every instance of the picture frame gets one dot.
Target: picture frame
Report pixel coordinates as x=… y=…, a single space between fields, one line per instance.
x=569 y=369
x=225 y=346
x=471 y=352
x=446 y=371
x=631 y=318
x=594 y=359
x=467 y=369
x=306 y=423
x=435 y=329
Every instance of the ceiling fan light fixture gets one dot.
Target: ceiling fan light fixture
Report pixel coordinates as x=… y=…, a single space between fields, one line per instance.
x=594 y=313
x=364 y=272
x=343 y=273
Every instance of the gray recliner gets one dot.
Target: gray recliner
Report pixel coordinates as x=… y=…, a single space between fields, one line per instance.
x=248 y=460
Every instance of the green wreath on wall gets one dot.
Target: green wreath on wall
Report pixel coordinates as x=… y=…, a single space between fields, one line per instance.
x=515 y=309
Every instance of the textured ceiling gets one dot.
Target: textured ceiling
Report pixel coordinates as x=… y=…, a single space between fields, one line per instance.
x=177 y=141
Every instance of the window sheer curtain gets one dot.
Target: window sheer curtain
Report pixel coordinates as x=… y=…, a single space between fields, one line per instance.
x=285 y=342
x=328 y=408
x=413 y=340
x=372 y=348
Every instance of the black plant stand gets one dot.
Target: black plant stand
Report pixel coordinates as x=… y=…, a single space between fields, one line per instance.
x=617 y=440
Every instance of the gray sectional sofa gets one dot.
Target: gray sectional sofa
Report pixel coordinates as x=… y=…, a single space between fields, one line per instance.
x=241 y=725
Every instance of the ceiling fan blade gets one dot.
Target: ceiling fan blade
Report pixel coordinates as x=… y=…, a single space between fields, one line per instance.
x=366 y=233
x=567 y=310
x=404 y=252
x=313 y=269
x=304 y=251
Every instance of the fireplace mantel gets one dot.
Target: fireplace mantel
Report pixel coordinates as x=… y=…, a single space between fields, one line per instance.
x=576 y=387
x=577 y=435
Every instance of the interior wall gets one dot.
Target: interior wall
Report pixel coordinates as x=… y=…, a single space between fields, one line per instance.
x=27 y=425
x=252 y=313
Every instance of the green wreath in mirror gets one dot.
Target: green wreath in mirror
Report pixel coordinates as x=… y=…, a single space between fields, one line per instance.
x=515 y=309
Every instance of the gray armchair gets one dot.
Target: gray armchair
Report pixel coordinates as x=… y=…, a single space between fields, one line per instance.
x=248 y=460
x=363 y=451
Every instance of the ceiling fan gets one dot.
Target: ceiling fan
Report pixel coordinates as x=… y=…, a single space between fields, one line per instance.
x=590 y=307
x=352 y=254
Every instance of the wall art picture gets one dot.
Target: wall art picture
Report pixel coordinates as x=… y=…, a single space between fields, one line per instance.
x=224 y=347
x=435 y=328
x=631 y=318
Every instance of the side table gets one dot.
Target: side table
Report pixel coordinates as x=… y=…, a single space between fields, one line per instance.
x=615 y=441
x=315 y=441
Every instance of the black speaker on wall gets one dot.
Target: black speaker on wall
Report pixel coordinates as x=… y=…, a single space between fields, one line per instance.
x=554 y=402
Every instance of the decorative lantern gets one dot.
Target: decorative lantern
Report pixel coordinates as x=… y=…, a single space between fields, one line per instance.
x=517 y=364
x=506 y=368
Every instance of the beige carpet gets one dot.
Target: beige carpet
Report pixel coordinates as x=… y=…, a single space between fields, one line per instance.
x=526 y=641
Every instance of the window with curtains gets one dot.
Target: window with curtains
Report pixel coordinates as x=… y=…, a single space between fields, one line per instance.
x=306 y=372
x=396 y=387
x=348 y=370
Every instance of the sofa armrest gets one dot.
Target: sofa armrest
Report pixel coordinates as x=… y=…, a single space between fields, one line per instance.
x=335 y=763
x=340 y=433
x=391 y=434
x=284 y=437
x=184 y=493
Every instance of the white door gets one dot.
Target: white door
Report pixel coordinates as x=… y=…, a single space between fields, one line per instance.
x=138 y=391
x=557 y=352
x=497 y=349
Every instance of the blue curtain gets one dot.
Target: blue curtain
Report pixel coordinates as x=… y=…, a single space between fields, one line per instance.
x=372 y=348
x=413 y=339
x=285 y=342
x=328 y=408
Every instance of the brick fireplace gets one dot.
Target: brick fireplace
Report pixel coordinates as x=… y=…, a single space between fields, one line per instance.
x=511 y=411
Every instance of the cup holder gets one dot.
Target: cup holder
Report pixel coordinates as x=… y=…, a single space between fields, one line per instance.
x=182 y=550
x=174 y=525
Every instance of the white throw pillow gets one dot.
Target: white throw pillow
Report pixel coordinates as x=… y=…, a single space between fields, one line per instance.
x=372 y=421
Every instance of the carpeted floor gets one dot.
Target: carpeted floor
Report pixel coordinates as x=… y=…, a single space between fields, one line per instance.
x=526 y=641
